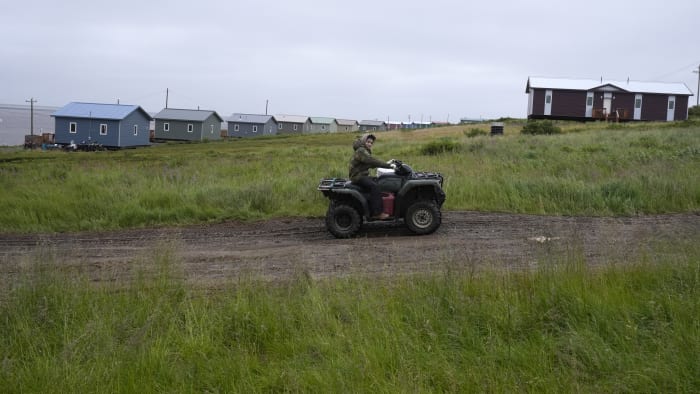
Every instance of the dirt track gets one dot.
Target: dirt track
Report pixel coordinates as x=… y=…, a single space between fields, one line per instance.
x=278 y=249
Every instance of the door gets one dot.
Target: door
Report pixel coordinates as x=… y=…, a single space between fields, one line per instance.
x=589 y=105
x=607 y=103
x=548 y=102
x=671 y=108
x=637 y=107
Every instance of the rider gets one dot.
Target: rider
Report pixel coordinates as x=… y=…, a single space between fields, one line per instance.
x=360 y=163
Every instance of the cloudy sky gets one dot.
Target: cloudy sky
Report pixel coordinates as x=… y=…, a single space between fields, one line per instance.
x=358 y=59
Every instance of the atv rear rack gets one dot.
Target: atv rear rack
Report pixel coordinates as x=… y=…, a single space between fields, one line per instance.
x=332 y=183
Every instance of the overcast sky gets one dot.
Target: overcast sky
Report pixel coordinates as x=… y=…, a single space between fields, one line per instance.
x=357 y=59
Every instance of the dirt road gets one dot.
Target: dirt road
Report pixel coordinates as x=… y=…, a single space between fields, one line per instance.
x=278 y=249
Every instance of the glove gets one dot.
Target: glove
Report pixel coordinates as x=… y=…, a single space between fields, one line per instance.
x=393 y=166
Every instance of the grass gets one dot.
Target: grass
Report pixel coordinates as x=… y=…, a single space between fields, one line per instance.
x=563 y=327
x=593 y=169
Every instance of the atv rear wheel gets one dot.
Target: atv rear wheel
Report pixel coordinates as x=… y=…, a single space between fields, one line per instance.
x=423 y=217
x=343 y=221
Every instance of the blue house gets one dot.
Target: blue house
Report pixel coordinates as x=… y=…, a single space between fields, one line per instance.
x=250 y=125
x=111 y=125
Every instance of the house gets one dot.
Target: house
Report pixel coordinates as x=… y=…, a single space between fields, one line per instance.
x=187 y=125
x=323 y=125
x=372 y=125
x=111 y=125
x=292 y=124
x=394 y=125
x=250 y=125
x=589 y=99
x=348 y=125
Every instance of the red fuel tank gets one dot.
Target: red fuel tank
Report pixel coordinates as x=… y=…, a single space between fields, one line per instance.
x=388 y=202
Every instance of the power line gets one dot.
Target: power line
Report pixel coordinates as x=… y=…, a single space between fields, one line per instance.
x=676 y=71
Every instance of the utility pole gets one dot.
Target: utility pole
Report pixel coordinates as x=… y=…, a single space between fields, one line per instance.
x=697 y=92
x=31 y=102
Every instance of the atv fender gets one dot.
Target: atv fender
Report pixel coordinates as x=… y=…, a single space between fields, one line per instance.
x=419 y=187
x=355 y=195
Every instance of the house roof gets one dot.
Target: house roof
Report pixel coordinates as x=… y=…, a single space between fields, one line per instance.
x=250 y=118
x=98 y=111
x=599 y=84
x=291 y=118
x=346 y=122
x=372 y=123
x=321 y=120
x=186 y=114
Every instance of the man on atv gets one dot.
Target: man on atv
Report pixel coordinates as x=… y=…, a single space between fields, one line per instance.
x=360 y=164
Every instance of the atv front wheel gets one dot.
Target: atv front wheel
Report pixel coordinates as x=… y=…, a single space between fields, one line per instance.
x=423 y=217
x=343 y=221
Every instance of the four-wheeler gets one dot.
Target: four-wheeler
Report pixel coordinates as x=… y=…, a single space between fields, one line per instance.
x=412 y=196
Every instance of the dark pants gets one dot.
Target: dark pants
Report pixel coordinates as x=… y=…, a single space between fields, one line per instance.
x=375 y=196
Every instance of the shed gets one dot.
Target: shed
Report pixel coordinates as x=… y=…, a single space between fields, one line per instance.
x=187 y=125
x=251 y=125
x=590 y=99
x=323 y=125
x=111 y=125
x=372 y=125
x=292 y=124
x=348 y=125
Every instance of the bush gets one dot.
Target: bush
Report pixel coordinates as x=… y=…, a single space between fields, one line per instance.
x=536 y=127
x=475 y=132
x=443 y=145
x=694 y=112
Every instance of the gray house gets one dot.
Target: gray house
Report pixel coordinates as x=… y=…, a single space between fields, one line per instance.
x=372 y=125
x=292 y=124
x=250 y=125
x=347 y=125
x=111 y=125
x=323 y=125
x=187 y=125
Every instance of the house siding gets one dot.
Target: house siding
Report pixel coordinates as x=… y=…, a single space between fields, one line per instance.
x=654 y=107
x=126 y=135
x=568 y=103
x=211 y=128
x=119 y=133
x=245 y=129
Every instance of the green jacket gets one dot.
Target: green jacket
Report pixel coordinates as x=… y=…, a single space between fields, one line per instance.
x=362 y=160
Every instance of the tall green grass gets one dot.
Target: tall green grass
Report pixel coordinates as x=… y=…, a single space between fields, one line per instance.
x=588 y=170
x=563 y=327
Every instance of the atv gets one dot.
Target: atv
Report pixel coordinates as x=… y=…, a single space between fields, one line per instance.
x=412 y=196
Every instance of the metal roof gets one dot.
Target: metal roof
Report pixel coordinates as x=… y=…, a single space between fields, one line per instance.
x=346 y=122
x=321 y=120
x=596 y=84
x=98 y=111
x=291 y=118
x=195 y=115
x=250 y=118
x=372 y=123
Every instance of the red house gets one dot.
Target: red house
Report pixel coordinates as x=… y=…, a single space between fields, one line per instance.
x=591 y=99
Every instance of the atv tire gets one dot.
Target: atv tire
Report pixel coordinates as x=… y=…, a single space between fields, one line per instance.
x=343 y=221
x=423 y=217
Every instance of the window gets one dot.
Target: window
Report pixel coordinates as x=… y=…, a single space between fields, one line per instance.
x=136 y=129
x=638 y=103
x=166 y=126
x=295 y=127
x=548 y=99
x=255 y=129
x=589 y=101
x=211 y=131
x=190 y=128
x=279 y=126
x=103 y=129
x=323 y=127
x=235 y=127
x=73 y=127
x=671 y=104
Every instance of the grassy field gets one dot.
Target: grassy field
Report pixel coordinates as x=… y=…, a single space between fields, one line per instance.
x=595 y=169
x=630 y=326
x=626 y=328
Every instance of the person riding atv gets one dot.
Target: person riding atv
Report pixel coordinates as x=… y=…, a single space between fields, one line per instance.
x=360 y=164
x=404 y=194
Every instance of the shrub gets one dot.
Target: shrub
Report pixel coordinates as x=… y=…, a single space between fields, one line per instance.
x=694 y=112
x=443 y=145
x=536 y=127
x=474 y=132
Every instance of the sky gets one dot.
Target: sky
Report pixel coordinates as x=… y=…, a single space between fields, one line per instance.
x=398 y=60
